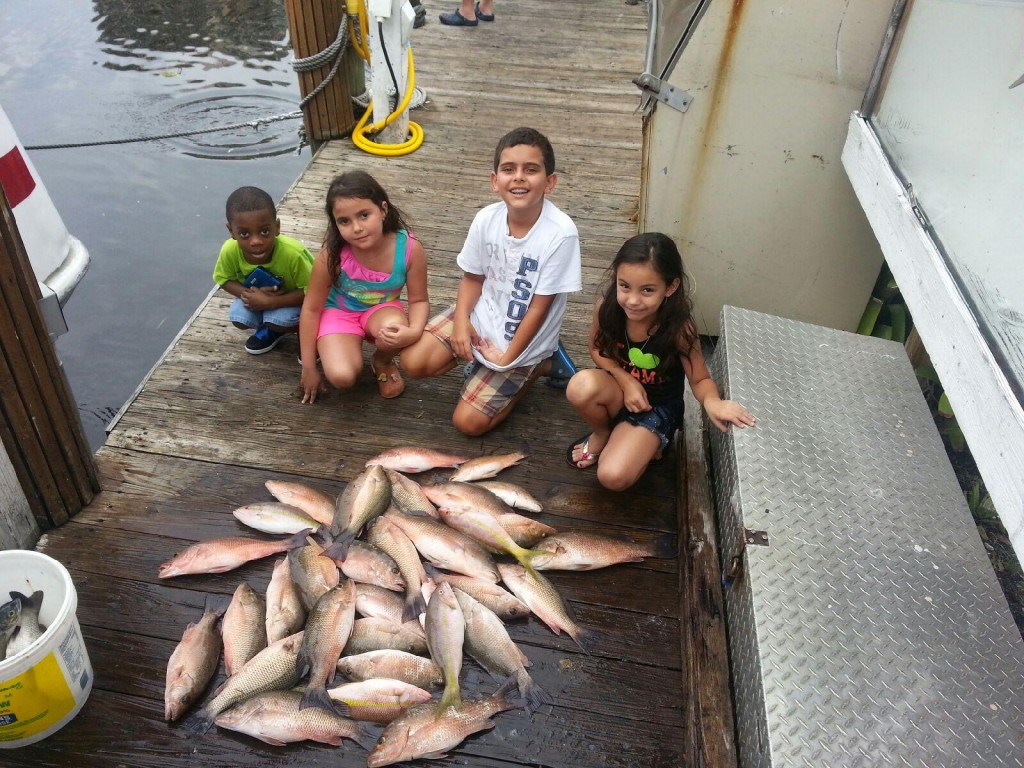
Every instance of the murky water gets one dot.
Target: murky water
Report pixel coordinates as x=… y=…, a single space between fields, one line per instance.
x=151 y=212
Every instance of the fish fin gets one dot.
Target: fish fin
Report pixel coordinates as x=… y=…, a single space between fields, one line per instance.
x=338 y=549
x=414 y=606
x=664 y=546
x=200 y=723
x=318 y=697
x=365 y=738
x=452 y=697
x=437 y=755
x=534 y=697
x=297 y=540
x=587 y=639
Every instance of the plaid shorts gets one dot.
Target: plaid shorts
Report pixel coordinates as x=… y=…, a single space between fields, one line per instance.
x=487 y=390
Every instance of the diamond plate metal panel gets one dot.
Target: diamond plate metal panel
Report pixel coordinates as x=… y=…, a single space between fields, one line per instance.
x=870 y=630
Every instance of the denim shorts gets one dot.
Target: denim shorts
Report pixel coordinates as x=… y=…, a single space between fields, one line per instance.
x=663 y=420
x=283 y=317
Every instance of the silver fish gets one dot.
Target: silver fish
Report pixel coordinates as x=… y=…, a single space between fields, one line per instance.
x=424 y=732
x=413 y=460
x=274 y=517
x=512 y=494
x=489 y=643
x=381 y=634
x=474 y=510
x=314 y=502
x=583 y=551
x=485 y=466
x=272 y=669
x=10 y=615
x=192 y=664
x=244 y=628
x=368 y=564
x=502 y=602
x=546 y=604
x=367 y=496
x=276 y=718
x=525 y=531
x=376 y=602
x=391 y=539
x=447 y=548
x=285 y=614
x=327 y=631
x=392 y=664
x=29 y=628
x=379 y=700
x=408 y=495
x=446 y=632
x=312 y=573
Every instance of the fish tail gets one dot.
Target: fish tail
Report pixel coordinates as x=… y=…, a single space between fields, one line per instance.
x=664 y=546
x=318 y=697
x=533 y=695
x=26 y=602
x=338 y=549
x=452 y=697
x=586 y=639
x=200 y=724
x=297 y=540
x=527 y=556
x=414 y=606
x=364 y=737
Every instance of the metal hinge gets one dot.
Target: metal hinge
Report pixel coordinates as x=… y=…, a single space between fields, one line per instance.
x=676 y=98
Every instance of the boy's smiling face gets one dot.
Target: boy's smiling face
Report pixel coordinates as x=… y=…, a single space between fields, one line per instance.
x=521 y=180
x=256 y=233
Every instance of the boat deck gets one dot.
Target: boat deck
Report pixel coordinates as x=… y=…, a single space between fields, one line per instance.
x=212 y=423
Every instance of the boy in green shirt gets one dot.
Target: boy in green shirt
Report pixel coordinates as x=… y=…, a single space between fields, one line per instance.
x=265 y=271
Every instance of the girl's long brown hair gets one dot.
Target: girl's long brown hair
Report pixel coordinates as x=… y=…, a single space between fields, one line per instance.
x=675 y=332
x=361 y=185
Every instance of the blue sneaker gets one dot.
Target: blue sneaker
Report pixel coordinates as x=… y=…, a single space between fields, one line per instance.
x=263 y=340
x=562 y=368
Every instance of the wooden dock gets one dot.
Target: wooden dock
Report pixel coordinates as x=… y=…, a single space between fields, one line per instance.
x=212 y=424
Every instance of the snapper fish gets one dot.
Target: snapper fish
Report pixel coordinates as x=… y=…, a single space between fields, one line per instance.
x=485 y=467
x=583 y=551
x=10 y=615
x=277 y=718
x=412 y=460
x=193 y=663
x=314 y=502
x=29 y=629
x=220 y=555
x=364 y=499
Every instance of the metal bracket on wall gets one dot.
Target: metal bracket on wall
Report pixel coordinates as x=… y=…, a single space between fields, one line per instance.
x=652 y=87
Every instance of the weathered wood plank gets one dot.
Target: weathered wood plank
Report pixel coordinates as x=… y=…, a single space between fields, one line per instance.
x=707 y=705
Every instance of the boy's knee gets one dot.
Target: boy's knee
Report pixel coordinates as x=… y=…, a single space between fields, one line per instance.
x=472 y=423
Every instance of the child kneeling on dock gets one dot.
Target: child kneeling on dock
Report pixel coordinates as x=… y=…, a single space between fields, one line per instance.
x=368 y=258
x=265 y=271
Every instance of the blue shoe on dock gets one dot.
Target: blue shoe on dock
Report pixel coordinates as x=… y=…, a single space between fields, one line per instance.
x=562 y=368
x=263 y=340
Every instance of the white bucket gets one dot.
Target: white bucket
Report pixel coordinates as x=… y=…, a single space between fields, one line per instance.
x=45 y=685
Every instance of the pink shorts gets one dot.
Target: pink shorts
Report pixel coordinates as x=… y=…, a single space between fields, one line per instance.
x=349 y=321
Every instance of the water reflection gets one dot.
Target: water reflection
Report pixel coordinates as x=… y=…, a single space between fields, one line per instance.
x=151 y=213
x=248 y=30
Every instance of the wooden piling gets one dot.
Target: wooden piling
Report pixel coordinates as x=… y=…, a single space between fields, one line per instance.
x=39 y=424
x=313 y=26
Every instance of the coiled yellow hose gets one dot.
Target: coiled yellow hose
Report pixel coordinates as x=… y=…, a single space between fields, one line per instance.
x=359 y=133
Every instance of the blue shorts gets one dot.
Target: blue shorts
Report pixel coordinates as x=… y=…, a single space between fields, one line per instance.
x=284 y=317
x=663 y=420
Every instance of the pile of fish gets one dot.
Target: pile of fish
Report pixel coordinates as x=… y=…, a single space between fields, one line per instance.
x=388 y=585
x=19 y=623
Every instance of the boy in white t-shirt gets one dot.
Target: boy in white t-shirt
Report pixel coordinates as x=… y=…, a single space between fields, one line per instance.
x=520 y=261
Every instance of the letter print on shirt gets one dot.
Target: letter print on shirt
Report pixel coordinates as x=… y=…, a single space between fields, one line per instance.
x=523 y=283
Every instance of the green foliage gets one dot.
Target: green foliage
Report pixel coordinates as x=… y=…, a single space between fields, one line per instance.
x=885 y=315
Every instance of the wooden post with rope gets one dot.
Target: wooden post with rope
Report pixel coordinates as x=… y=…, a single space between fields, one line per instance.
x=39 y=426
x=314 y=25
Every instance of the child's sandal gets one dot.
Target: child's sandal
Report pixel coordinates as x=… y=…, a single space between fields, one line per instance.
x=391 y=385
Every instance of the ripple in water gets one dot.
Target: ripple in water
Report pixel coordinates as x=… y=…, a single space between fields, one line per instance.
x=256 y=139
